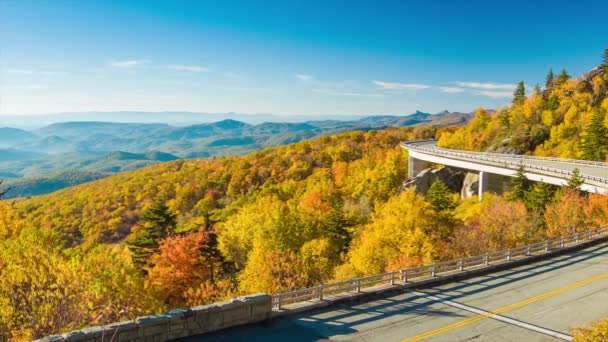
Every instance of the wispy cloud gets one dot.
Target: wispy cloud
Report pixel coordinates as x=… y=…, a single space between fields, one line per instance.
x=401 y=86
x=487 y=86
x=345 y=93
x=190 y=68
x=248 y=89
x=451 y=90
x=128 y=63
x=304 y=77
x=492 y=93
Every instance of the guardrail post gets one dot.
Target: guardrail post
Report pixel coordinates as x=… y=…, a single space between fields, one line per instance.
x=546 y=246
x=485 y=259
x=391 y=280
x=561 y=242
x=509 y=252
x=460 y=265
x=576 y=238
x=358 y=286
x=528 y=251
x=589 y=235
x=320 y=292
x=403 y=276
x=279 y=302
x=433 y=271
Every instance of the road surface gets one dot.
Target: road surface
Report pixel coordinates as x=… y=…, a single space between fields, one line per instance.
x=535 y=302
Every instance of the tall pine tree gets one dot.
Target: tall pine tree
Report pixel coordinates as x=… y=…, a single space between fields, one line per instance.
x=539 y=195
x=605 y=60
x=519 y=184
x=550 y=78
x=594 y=143
x=519 y=95
x=576 y=180
x=156 y=224
x=563 y=77
x=440 y=197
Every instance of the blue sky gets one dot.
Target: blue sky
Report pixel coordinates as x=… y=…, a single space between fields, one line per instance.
x=287 y=57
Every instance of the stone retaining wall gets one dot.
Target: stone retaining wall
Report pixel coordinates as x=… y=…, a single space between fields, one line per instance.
x=177 y=323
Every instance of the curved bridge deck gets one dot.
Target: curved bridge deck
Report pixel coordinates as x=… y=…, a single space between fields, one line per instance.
x=549 y=170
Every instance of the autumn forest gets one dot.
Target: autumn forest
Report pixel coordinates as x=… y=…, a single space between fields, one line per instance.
x=190 y=232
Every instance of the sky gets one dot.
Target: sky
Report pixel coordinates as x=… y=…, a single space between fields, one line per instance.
x=287 y=57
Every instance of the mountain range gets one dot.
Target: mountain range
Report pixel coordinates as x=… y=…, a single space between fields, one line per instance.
x=60 y=154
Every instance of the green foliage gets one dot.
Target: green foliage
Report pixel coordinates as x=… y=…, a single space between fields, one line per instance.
x=539 y=196
x=519 y=184
x=440 y=197
x=519 y=94
x=576 y=180
x=563 y=77
x=594 y=142
x=549 y=78
x=157 y=223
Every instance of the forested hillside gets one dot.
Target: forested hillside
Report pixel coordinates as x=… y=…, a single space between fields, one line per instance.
x=184 y=233
x=567 y=118
x=79 y=148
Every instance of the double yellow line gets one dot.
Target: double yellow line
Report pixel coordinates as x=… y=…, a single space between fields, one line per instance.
x=511 y=307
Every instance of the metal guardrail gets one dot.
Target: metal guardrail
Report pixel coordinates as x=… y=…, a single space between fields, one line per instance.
x=502 y=162
x=517 y=156
x=417 y=274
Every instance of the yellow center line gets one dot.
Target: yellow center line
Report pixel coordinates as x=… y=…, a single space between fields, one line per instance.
x=504 y=309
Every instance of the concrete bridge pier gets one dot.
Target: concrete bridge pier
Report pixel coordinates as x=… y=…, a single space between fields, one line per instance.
x=415 y=166
x=490 y=182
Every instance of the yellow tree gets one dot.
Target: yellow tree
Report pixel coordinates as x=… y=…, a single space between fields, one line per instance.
x=400 y=228
x=272 y=271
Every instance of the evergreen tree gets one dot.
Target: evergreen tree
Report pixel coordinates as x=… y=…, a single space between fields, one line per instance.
x=519 y=95
x=576 y=180
x=441 y=200
x=594 y=144
x=157 y=223
x=537 y=90
x=539 y=196
x=519 y=184
x=605 y=59
x=550 y=78
x=439 y=196
x=563 y=77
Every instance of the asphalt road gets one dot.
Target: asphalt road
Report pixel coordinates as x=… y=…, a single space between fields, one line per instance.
x=536 y=302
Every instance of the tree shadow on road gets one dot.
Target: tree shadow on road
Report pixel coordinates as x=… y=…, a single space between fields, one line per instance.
x=391 y=308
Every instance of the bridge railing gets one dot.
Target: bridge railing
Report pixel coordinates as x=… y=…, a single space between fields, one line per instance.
x=518 y=156
x=501 y=162
x=437 y=270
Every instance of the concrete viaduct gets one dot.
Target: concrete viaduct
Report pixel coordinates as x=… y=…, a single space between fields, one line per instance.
x=493 y=166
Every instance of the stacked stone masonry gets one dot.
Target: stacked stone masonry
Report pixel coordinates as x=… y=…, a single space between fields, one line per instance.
x=177 y=323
